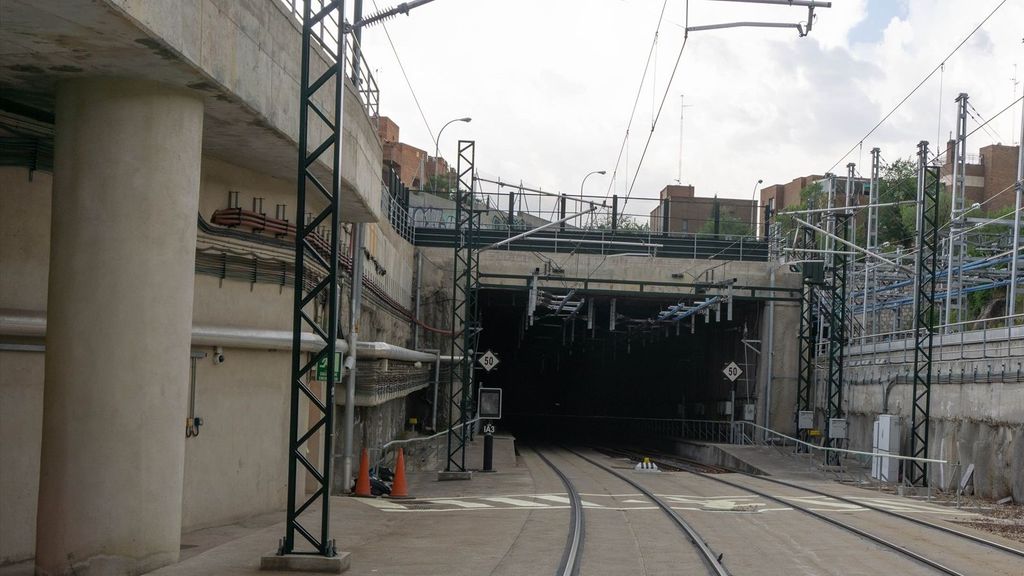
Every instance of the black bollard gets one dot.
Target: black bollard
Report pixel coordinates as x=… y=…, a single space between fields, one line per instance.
x=488 y=447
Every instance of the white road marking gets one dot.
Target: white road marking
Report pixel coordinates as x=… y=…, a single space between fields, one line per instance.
x=910 y=506
x=630 y=502
x=565 y=500
x=516 y=502
x=823 y=504
x=382 y=504
x=458 y=503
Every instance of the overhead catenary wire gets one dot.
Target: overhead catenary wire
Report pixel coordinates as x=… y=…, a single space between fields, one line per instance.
x=654 y=124
x=997 y=114
x=408 y=83
x=990 y=130
x=636 y=100
x=918 y=86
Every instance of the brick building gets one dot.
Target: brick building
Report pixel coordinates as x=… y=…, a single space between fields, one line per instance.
x=781 y=196
x=414 y=165
x=688 y=213
x=989 y=175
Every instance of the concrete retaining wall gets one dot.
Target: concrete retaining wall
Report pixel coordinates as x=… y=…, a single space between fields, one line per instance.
x=237 y=466
x=977 y=405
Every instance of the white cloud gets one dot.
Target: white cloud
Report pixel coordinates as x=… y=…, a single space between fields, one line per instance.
x=550 y=85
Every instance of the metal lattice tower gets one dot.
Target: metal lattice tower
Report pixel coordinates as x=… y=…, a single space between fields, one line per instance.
x=954 y=277
x=924 y=310
x=837 y=333
x=464 y=308
x=871 y=239
x=315 y=253
x=805 y=375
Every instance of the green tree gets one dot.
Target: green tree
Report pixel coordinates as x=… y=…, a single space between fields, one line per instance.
x=604 y=222
x=728 y=225
x=897 y=184
x=441 y=185
x=811 y=197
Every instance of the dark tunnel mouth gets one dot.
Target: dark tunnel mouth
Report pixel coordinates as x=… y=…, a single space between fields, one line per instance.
x=561 y=370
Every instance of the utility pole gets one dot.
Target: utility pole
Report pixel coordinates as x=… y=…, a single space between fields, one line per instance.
x=355 y=306
x=871 y=237
x=955 y=252
x=1011 y=307
x=718 y=216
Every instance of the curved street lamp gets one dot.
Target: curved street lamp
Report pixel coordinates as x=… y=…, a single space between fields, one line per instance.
x=601 y=172
x=437 y=141
x=753 y=208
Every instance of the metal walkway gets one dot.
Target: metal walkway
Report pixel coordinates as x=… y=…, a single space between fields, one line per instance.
x=607 y=242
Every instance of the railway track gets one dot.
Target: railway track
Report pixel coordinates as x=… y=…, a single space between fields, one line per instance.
x=573 y=553
x=713 y=473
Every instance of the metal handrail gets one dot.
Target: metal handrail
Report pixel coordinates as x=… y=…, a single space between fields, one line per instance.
x=326 y=34
x=952 y=341
x=381 y=459
x=798 y=442
x=730 y=431
x=398 y=216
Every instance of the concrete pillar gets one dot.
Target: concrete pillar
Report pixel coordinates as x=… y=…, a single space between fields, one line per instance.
x=122 y=259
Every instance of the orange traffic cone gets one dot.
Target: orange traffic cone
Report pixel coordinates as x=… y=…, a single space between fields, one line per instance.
x=363 y=481
x=399 y=489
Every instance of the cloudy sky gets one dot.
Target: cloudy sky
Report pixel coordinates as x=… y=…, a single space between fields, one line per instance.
x=550 y=85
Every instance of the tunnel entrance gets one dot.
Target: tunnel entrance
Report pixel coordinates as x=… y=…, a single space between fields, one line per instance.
x=621 y=355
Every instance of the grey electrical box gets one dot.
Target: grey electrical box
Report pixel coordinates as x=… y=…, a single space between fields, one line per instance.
x=805 y=420
x=814 y=271
x=837 y=429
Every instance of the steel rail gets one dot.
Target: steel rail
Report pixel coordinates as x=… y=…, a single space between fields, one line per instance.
x=573 y=554
x=918 y=521
x=712 y=561
x=825 y=518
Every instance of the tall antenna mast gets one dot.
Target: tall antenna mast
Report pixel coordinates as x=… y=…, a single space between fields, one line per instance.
x=1013 y=112
x=682 y=107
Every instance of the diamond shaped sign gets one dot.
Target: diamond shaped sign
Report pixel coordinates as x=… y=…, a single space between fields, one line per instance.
x=732 y=371
x=489 y=361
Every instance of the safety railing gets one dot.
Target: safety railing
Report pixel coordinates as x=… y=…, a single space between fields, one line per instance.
x=986 y=338
x=702 y=430
x=728 y=432
x=398 y=216
x=769 y=436
x=326 y=33
x=422 y=448
x=603 y=242
x=363 y=81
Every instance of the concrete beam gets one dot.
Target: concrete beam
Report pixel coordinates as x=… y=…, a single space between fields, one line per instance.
x=240 y=56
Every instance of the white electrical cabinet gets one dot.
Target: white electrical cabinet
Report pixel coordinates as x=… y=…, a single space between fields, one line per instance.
x=885 y=440
x=837 y=429
x=805 y=420
x=749 y=412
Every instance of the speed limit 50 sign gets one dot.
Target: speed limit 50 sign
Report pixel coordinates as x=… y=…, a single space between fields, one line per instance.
x=489 y=360
x=732 y=371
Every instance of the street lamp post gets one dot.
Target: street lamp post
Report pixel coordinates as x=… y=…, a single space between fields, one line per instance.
x=753 y=207
x=601 y=172
x=437 y=141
